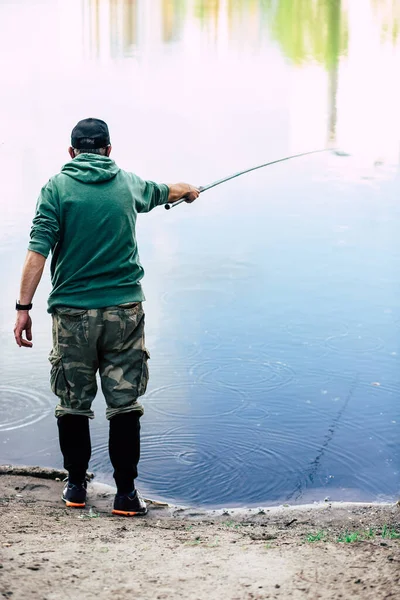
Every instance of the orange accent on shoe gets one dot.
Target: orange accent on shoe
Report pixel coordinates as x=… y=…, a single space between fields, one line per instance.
x=124 y=513
x=74 y=504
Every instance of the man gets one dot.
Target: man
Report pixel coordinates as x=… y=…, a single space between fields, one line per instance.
x=86 y=216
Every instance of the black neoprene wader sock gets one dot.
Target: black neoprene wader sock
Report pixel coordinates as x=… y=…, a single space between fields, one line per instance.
x=74 y=435
x=124 y=448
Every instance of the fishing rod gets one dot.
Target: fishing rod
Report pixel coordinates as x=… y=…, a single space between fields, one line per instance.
x=219 y=181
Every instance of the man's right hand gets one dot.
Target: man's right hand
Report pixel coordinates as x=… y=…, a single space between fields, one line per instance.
x=23 y=323
x=192 y=195
x=185 y=191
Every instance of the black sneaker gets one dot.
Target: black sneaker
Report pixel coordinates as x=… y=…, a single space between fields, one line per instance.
x=129 y=505
x=74 y=495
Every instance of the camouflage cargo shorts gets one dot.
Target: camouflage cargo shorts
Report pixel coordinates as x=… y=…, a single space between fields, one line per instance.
x=105 y=340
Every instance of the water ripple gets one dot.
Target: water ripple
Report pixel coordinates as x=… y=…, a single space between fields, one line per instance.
x=244 y=374
x=352 y=342
x=191 y=400
x=21 y=408
x=179 y=458
x=247 y=460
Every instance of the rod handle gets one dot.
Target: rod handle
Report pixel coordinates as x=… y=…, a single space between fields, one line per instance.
x=169 y=205
x=172 y=204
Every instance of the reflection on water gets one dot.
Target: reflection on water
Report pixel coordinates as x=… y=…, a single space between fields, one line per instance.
x=316 y=30
x=273 y=303
x=114 y=22
x=387 y=12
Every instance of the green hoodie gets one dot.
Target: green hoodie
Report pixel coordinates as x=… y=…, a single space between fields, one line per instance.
x=86 y=215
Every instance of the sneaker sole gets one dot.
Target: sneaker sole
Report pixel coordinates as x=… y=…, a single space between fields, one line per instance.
x=126 y=513
x=73 y=504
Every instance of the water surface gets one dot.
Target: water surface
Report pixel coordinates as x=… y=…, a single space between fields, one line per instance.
x=273 y=304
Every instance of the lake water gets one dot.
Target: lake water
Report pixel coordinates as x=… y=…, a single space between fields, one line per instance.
x=273 y=303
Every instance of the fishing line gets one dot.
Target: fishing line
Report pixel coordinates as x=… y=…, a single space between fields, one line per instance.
x=313 y=469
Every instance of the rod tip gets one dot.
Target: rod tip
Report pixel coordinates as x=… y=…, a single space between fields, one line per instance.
x=339 y=152
x=167 y=206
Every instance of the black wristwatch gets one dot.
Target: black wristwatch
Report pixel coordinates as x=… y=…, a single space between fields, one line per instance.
x=19 y=306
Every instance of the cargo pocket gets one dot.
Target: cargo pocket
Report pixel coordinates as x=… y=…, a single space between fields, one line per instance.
x=58 y=382
x=144 y=379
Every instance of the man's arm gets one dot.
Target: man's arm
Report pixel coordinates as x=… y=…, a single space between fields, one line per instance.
x=177 y=191
x=151 y=194
x=31 y=275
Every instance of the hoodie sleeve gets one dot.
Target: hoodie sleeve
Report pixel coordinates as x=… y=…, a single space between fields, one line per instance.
x=150 y=195
x=45 y=231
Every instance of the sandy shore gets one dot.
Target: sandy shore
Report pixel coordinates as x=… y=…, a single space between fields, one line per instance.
x=49 y=552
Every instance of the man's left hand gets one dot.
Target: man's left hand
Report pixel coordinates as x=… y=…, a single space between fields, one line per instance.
x=23 y=323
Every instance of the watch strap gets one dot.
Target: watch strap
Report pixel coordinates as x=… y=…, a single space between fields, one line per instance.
x=19 y=306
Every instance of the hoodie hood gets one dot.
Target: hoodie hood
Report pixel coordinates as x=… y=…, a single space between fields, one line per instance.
x=91 y=168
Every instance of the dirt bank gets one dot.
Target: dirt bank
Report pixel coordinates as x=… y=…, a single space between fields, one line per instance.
x=49 y=552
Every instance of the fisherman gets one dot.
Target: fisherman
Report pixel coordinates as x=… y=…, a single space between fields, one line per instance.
x=86 y=216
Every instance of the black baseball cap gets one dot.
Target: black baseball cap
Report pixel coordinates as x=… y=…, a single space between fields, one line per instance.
x=90 y=133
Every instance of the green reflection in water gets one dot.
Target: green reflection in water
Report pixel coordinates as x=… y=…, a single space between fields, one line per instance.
x=306 y=30
x=173 y=18
x=207 y=10
x=313 y=30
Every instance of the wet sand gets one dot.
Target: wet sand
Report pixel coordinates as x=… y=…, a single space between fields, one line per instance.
x=49 y=552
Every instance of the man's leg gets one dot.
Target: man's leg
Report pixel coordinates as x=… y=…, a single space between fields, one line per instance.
x=124 y=375
x=73 y=380
x=124 y=447
x=75 y=446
